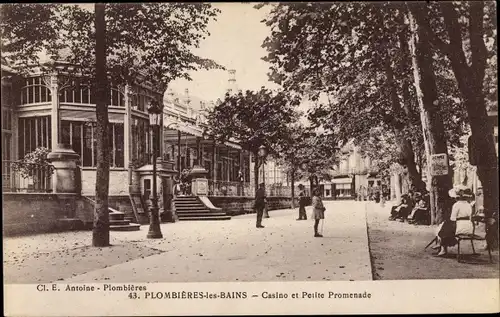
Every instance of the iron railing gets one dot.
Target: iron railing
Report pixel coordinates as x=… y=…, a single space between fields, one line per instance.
x=227 y=188
x=26 y=177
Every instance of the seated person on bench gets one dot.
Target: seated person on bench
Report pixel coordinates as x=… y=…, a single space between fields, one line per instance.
x=420 y=212
x=401 y=210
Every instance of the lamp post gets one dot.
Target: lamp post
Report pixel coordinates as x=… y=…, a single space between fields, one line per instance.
x=305 y=168
x=155 y=113
x=262 y=154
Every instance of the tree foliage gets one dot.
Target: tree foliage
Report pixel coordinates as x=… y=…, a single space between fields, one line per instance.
x=254 y=119
x=351 y=55
x=153 y=39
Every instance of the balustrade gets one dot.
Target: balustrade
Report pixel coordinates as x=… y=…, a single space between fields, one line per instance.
x=26 y=177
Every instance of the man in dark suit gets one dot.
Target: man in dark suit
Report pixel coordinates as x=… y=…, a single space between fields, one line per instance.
x=260 y=204
x=302 y=203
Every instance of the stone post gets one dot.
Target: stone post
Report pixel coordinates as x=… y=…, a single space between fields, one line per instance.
x=54 y=90
x=199 y=181
x=65 y=178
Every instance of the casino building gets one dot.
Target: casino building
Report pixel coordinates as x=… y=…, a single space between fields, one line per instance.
x=56 y=110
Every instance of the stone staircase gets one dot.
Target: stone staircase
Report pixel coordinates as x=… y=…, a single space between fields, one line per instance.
x=191 y=208
x=118 y=221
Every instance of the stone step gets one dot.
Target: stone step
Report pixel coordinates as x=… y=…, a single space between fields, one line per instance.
x=192 y=209
x=204 y=218
x=186 y=198
x=119 y=222
x=200 y=207
x=129 y=219
x=202 y=214
x=116 y=216
x=129 y=227
x=188 y=203
x=195 y=210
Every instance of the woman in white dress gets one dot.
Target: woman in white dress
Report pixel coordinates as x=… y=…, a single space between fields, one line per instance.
x=459 y=222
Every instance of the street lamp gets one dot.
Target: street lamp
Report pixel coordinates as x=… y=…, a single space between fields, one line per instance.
x=262 y=154
x=155 y=114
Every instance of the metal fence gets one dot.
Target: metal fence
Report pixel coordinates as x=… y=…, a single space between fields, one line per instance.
x=26 y=177
x=225 y=188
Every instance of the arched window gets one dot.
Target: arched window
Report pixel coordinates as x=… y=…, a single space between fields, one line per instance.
x=116 y=98
x=35 y=91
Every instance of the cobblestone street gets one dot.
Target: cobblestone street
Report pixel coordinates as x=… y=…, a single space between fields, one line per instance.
x=203 y=251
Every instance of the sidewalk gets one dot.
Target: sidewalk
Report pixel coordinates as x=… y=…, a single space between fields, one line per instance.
x=203 y=251
x=397 y=251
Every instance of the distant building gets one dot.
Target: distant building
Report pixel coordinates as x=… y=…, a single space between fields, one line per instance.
x=353 y=175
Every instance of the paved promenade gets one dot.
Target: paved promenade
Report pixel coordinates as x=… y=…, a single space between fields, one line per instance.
x=203 y=251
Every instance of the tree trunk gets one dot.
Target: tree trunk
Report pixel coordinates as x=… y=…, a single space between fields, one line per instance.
x=292 y=178
x=432 y=123
x=404 y=144
x=100 y=233
x=470 y=83
x=397 y=187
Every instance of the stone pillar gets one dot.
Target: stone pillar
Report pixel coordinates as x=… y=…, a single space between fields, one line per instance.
x=54 y=91
x=66 y=178
x=167 y=210
x=214 y=162
x=199 y=182
x=127 y=121
x=179 y=154
x=198 y=152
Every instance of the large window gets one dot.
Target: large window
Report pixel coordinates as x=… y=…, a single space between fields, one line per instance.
x=6 y=134
x=82 y=138
x=78 y=91
x=34 y=132
x=35 y=91
x=141 y=146
x=140 y=99
x=343 y=190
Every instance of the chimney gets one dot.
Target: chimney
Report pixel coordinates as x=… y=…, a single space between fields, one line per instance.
x=232 y=89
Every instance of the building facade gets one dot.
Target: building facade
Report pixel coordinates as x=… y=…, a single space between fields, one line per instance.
x=47 y=109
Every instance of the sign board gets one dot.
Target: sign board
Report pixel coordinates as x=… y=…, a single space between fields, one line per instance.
x=439 y=164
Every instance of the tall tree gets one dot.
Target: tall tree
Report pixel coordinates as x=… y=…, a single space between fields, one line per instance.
x=467 y=26
x=354 y=56
x=357 y=56
x=116 y=42
x=307 y=154
x=427 y=96
x=254 y=119
x=100 y=232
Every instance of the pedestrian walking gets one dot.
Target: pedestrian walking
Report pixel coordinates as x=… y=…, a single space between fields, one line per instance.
x=318 y=211
x=302 y=203
x=260 y=204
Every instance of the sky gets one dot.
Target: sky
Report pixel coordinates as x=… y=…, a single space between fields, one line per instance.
x=235 y=41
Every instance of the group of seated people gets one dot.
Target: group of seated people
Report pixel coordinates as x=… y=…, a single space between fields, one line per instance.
x=414 y=208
